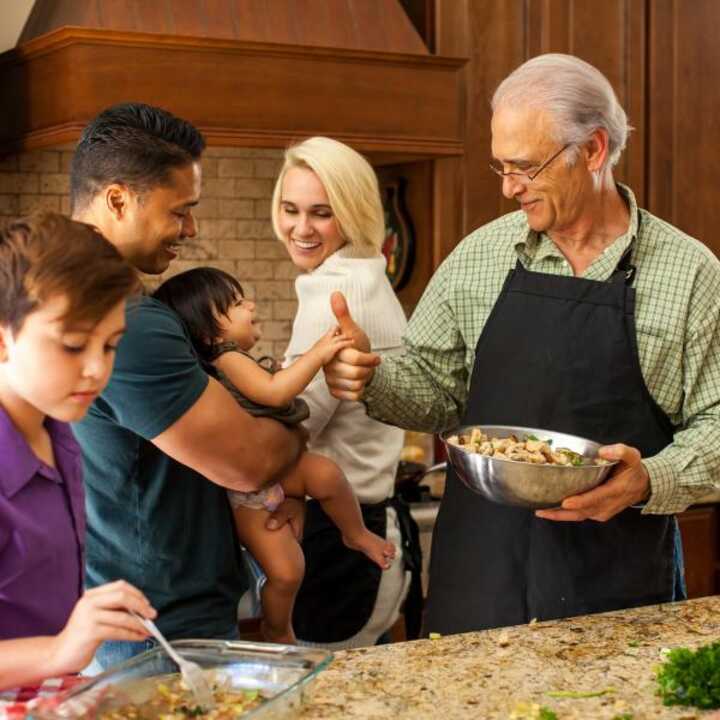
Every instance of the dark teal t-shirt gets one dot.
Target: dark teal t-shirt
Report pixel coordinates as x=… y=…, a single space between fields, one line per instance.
x=151 y=520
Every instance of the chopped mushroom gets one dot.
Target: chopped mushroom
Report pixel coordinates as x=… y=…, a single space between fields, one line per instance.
x=530 y=450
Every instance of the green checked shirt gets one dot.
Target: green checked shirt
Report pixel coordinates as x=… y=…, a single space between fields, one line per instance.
x=678 y=331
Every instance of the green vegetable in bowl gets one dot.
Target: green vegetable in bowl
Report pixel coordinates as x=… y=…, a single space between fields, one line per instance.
x=575 y=459
x=691 y=678
x=547 y=441
x=194 y=711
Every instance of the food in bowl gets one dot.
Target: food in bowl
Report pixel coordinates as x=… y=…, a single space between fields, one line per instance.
x=279 y=674
x=169 y=699
x=521 y=483
x=529 y=450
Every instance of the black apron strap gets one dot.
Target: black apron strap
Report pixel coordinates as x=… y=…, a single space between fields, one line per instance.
x=625 y=270
x=339 y=591
x=412 y=559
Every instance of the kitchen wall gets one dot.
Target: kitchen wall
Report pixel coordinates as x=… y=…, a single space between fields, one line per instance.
x=234 y=231
x=12 y=18
x=659 y=56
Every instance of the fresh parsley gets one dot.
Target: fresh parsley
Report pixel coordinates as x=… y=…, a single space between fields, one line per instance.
x=691 y=678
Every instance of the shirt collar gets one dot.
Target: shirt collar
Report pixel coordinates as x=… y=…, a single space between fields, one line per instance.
x=537 y=246
x=19 y=462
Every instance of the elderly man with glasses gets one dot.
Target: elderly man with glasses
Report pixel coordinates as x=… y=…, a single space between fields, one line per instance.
x=579 y=313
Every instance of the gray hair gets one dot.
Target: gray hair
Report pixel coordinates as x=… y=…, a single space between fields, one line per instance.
x=576 y=94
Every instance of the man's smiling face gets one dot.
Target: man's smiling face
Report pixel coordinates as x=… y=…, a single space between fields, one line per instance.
x=522 y=140
x=160 y=219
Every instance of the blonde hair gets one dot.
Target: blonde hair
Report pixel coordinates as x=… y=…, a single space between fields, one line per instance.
x=351 y=186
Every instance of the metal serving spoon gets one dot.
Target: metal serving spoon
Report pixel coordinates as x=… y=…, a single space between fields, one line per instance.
x=191 y=672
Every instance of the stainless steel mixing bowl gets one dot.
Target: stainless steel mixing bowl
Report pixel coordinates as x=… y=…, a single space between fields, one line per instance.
x=528 y=485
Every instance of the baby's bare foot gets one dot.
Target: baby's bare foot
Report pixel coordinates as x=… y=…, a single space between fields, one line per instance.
x=378 y=550
x=282 y=636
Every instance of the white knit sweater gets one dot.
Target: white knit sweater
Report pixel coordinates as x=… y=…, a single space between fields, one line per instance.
x=366 y=450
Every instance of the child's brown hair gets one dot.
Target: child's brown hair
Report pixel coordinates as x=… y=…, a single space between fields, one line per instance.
x=46 y=255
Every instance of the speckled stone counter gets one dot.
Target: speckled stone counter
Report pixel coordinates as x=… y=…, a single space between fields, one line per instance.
x=502 y=673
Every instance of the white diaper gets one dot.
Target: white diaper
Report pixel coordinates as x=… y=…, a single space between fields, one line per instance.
x=268 y=498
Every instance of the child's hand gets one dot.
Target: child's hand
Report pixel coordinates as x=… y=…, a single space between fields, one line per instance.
x=99 y=615
x=330 y=344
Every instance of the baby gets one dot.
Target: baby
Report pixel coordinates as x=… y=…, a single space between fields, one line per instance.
x=223 y=328
x=63 y=289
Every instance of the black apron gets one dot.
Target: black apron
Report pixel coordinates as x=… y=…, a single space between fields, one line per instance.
x=412 y=563
x=338 y=592
x=558 y=353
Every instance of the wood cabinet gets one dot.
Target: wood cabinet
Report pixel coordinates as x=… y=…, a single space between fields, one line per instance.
x=661 y=57
x=699 y=529
x=683 y=116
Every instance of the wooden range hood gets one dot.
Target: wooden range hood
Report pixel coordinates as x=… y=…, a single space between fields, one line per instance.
x=240 y=91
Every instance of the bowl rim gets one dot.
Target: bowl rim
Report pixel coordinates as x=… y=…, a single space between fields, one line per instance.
x=540 y=466
x=318 y=660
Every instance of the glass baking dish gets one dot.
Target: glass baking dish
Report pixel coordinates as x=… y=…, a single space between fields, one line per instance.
x=279 y=672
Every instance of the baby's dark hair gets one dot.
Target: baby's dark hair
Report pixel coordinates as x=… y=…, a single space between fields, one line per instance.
x=198 y=296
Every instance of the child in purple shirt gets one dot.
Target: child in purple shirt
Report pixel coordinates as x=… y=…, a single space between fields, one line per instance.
x=63 y=289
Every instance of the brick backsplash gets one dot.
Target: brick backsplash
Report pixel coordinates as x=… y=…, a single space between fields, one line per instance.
x=234 y=230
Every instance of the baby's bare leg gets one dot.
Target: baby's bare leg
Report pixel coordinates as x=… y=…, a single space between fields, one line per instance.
x=322 y=479
x=280 y=557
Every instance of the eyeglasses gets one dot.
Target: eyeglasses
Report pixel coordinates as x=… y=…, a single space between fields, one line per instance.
x=529 y=175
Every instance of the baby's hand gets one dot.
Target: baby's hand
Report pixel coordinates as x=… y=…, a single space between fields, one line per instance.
x=330 y=344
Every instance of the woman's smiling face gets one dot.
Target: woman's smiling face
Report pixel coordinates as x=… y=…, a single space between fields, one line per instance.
x=307 y=223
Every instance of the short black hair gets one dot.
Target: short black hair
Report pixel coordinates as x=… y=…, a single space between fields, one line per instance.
x=133 y=144
x=198 y=296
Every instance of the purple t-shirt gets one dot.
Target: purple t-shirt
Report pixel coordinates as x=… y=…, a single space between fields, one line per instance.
x=42 y=532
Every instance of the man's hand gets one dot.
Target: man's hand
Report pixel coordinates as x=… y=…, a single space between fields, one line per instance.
x=628 y=485
x=292 y=511
x=352 y=368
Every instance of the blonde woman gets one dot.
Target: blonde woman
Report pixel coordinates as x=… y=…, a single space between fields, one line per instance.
x=326 y=210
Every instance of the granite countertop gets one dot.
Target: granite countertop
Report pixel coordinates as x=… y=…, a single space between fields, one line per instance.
x=501 y=673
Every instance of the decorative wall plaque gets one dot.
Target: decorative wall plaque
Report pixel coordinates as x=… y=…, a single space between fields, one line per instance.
x=399 y=245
